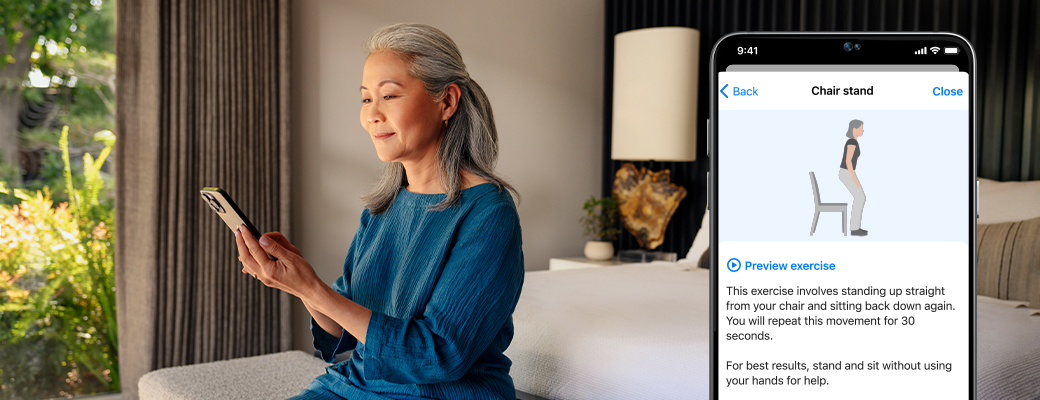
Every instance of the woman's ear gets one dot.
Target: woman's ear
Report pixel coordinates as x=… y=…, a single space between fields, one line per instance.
x=450 y=102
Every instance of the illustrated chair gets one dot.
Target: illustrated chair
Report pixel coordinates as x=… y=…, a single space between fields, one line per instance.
x=826 y=207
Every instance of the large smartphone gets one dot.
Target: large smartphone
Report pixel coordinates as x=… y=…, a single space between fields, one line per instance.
x=221 y=203
x=842 y=193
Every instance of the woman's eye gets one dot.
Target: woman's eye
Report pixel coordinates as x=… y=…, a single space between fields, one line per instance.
x=388 y=97
x=365 y=101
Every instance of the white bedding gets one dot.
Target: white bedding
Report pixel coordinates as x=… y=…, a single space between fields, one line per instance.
x=634 y=331
x=1008 y=350
x=640 y=331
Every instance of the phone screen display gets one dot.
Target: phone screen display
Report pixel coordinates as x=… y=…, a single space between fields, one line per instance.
x=843 y=202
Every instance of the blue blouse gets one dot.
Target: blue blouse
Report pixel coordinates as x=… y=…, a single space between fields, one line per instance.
x=442 y=286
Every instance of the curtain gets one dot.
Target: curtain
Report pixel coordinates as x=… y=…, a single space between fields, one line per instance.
x=202 y=101
x=1004 y=33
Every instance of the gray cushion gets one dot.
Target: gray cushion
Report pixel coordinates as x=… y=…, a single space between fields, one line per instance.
x=1009 y=261
x=271 y=376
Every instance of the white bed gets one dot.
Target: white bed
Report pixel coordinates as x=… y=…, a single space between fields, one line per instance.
x=640 y=331
x=634 y=331
x=1008 y=358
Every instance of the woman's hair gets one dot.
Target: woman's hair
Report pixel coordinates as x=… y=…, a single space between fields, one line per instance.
x=470 y=141
x=853 y=125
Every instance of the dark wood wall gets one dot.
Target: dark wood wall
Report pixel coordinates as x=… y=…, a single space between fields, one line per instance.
x=1005 y=34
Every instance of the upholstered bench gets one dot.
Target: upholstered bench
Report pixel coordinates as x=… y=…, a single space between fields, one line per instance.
x=271 y=376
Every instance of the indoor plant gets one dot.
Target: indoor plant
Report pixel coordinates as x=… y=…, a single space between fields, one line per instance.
x=600 y=224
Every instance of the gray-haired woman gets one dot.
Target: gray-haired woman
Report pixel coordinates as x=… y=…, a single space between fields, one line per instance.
x=847 y=174
x=435 y=269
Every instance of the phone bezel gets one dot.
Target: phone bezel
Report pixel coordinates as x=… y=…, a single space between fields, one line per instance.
x=811 y=48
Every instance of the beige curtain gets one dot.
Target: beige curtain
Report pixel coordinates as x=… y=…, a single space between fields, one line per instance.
x=202 y=101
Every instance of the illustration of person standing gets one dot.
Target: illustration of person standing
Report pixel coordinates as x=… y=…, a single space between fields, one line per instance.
x=847 y=174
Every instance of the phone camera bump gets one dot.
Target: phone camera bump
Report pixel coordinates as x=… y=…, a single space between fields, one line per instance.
x=214 y=204
x=847 y=46
x=217 y=207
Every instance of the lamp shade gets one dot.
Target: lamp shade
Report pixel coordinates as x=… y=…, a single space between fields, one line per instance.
x=655 y=94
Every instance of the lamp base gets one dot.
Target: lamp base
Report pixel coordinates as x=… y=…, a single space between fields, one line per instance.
x=640 y=255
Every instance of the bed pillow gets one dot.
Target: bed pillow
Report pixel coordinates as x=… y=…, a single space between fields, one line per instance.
x=1008 y=201
x=701 y=241
x=1009 y=261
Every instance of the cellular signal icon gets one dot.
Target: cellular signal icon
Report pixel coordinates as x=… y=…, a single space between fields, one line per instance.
x=923 y=50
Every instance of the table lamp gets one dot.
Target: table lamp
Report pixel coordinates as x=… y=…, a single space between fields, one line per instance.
x=654 y=118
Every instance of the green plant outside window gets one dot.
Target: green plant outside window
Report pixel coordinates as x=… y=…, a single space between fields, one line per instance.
x=57 y=287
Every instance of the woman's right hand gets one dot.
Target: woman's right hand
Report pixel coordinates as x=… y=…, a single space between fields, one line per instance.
x=277 y=237
x=290 y=273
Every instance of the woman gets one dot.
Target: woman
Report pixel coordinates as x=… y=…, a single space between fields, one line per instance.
x=847 y=174
x=435 y=269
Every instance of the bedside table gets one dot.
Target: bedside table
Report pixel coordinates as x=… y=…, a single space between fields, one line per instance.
x=560 y=264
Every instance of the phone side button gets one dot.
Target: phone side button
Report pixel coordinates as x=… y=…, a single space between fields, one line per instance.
x=711 y=141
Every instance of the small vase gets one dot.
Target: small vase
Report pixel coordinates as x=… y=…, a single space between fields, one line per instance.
x=599 y=251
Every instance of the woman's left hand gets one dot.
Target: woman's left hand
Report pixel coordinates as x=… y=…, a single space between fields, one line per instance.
x=291 y=273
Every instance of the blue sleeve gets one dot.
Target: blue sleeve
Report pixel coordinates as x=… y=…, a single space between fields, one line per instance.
x=327 y=344
x=474 y=297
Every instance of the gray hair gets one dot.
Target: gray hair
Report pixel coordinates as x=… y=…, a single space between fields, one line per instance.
x=853 y=125
x=470 y=141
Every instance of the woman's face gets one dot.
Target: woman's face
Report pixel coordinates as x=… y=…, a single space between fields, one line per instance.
x=402 y=120
x=857 y=132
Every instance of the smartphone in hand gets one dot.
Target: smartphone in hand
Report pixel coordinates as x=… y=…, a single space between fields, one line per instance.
x=221 y=203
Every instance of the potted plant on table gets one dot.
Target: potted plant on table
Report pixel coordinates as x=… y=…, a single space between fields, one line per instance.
x=600 y=223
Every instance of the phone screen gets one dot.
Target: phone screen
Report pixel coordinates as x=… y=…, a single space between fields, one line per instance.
x=843 y=205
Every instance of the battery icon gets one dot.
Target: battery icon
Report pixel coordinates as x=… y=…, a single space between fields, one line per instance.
x=950 y=50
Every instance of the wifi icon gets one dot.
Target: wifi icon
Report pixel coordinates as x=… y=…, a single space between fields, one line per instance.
x=934 y=49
